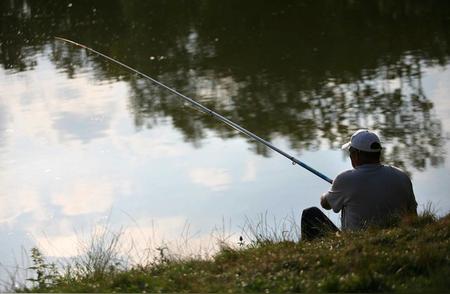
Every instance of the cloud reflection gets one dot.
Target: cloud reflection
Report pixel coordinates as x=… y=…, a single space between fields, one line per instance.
x=137 y=242
x=24 y=201
x=249 y=171
x=89 y=196
x=81 y=126
x=214 y=178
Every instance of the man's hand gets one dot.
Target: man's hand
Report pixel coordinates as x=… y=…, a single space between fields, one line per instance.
x=324 y=203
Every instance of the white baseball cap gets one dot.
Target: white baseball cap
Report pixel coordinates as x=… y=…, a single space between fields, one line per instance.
x=364 y=140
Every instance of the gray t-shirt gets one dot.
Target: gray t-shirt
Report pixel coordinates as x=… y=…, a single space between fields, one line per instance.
x=370 y=193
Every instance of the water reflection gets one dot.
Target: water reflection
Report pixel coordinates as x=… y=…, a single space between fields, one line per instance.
x=3 y=125
x=84 y=127
x=392 y=101
x=312 y=72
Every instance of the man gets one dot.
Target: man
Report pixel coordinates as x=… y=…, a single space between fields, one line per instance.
x=370 y=193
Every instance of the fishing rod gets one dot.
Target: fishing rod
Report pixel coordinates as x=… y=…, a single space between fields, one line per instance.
x=205 y=110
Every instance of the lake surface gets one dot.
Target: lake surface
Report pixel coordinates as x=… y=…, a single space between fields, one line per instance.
x=85 y=145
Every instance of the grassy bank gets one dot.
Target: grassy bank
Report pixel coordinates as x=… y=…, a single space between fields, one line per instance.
x=412 y=256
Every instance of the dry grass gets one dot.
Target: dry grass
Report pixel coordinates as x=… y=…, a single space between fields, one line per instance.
x=414 y=256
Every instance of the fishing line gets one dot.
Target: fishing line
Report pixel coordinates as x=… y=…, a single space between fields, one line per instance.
x=206 y=110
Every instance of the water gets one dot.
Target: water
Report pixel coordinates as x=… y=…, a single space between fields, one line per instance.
x=84 y=144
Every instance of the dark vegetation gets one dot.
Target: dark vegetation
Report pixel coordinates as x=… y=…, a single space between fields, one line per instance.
x=413 y=255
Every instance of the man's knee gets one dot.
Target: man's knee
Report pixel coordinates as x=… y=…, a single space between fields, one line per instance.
x=311 y=212
x=315 y=224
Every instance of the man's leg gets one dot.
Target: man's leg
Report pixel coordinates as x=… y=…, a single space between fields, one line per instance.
x=315 y=224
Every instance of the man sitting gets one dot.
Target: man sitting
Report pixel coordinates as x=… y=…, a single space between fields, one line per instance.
x=370 y=193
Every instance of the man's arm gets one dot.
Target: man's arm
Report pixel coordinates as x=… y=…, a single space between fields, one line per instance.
x=324 y=203
x=337 y=197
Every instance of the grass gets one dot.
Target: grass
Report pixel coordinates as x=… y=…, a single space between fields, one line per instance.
x=413 y=255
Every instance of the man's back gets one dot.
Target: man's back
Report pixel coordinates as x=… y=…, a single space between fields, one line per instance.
x=370 y=193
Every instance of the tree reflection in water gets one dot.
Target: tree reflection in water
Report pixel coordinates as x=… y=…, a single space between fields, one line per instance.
x=309 y=71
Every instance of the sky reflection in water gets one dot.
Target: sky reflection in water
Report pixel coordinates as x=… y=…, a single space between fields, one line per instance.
x=72 y=160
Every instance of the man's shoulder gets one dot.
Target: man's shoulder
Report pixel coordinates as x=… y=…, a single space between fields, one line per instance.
x=346 y=175
x=380 y=169
x=395 y=171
